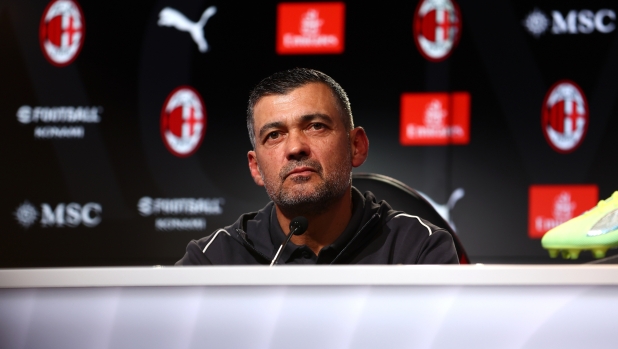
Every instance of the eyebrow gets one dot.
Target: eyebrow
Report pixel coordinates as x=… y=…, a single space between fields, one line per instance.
x=268 y=126
x=304 y=118
x=311 y=117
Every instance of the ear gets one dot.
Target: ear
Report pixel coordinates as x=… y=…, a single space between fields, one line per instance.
x=254 y=169
x=360 y=146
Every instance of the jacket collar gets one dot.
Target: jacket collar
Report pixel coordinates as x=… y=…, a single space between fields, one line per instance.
x=264 y=233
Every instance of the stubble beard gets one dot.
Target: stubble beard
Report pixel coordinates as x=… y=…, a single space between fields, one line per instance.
x=309 y=200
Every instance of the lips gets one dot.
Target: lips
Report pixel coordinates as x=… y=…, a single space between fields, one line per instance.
x=300 y=168
x=303 y=170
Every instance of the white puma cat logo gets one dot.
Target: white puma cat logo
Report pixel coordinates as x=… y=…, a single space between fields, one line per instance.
x=170 y=17
x=445 y=210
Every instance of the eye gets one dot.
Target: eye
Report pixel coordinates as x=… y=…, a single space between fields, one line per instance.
x=317 y=126
x=273 y=135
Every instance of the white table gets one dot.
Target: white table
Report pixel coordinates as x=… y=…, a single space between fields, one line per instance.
x=311 y=307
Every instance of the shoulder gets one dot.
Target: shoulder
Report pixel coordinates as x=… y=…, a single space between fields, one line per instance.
x=411 y=223
x=432 y=244
x=221 y=235
x=207 y=250
x=222 y=246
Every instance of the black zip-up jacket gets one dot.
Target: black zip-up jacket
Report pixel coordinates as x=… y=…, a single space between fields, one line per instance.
x=376 y=234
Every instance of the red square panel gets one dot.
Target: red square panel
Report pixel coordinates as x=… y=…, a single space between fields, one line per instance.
x=435 y=118
x=552 y=205
x=310 y=27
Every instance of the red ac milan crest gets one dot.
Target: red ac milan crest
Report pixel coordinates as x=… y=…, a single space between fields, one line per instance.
x=565 y=116
x=437 y=28
x=183 y=121
x=61 y=32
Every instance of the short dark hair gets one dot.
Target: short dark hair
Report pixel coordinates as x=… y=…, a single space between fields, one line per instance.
x=284 y=82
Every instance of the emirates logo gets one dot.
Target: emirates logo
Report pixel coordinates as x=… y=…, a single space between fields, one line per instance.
x=61 y=32
x=435 y=118
x=562 y=212
x=183 y=121
x=435 y=114
x=563 y=207
x=552 y=205
x=309 y=28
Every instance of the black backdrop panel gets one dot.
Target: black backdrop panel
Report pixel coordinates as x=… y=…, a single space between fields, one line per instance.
x=108 y=191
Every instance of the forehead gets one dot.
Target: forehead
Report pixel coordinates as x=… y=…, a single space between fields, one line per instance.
x=312 y=98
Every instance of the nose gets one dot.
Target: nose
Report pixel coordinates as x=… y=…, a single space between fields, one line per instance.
x=297 y=146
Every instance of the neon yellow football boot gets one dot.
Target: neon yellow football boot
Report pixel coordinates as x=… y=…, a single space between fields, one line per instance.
x=595 y=230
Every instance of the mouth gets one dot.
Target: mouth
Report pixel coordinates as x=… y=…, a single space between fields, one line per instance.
x=303 y=171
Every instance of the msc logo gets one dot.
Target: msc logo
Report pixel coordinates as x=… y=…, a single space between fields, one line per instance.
x=437 y=28
x=310 y=28
x=552 y=205
x=61 y=32
x=183 y=121
x=574 y=22
x=63 y=215
x=565 y=116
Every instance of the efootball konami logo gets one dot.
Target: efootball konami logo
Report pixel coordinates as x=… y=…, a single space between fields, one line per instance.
x=565 y=116
x=437 y=28
x=61 y=32
x=183 y=121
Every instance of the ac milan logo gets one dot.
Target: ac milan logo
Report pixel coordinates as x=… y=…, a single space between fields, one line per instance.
x=61 y=32
x=565 y=116
x=183 y=121
x=437 y=28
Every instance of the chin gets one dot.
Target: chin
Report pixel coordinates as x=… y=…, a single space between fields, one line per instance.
x=302 y=188
x=306 y=188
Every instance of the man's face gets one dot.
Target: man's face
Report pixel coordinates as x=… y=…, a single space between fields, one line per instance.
x=303 y=152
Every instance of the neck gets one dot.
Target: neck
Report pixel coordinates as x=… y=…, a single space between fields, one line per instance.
x=324 y=228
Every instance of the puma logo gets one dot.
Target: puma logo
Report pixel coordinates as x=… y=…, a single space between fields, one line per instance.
x=445 y=210
x=170 y=17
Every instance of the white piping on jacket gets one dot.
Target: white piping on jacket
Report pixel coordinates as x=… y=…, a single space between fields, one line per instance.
x=419 y=220
x=214 y=237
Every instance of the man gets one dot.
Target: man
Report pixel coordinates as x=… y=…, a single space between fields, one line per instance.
x=305 y=145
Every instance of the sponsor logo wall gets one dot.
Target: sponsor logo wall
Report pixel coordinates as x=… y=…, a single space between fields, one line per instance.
x=146 y=116
x=565 y=116
x=60 y=215
x=170 y=17
x=53 y=121
x=437 y=28
x=552 y=205
x=572 y=22
x=183 y=121
x=62 y=32
x=310 y=28
x=435 y=118
x=180 y=213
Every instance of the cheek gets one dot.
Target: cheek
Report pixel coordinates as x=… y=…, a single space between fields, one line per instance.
x=335 y=152
x=268 y=166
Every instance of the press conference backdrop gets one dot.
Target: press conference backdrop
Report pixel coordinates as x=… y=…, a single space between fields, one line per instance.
x=124 y=130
